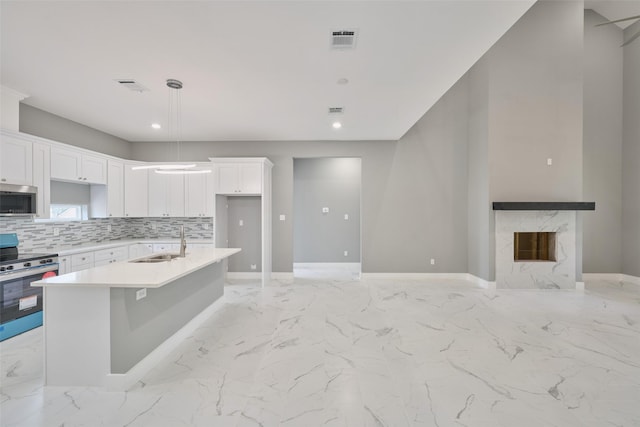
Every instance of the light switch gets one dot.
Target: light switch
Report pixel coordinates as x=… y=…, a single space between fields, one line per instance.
x=549 y=161
x=346 y=217
x=282 y=217
x=108 y=228
x=346 y=253
x=56 y=231
x=325 y=210
x=241 y=223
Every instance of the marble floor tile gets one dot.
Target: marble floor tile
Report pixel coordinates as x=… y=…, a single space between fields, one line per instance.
x=382 y=353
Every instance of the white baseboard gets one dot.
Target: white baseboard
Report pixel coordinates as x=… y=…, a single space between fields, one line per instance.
x=590 y=277
x=244 y=275
x=123 y=382
x=342 y=266
x=485 y=284
x=415 y=276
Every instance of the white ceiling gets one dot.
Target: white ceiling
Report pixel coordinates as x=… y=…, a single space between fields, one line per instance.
x=615 y=9
x=258 y=70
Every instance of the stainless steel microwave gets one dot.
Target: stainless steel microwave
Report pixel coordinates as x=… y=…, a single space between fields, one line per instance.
x=18 y=200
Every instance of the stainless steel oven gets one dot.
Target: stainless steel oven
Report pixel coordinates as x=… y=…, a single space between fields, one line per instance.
x=20 y=303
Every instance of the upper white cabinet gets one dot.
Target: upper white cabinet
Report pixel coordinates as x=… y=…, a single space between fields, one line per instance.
x=108 y=201
x=76 y=166
x=199 y=195
x=242 y=178
x=15 y=160
x=166 y=195
x=136 y=188
x=42 y=178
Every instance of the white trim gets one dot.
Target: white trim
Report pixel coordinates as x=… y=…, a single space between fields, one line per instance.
x=415 y=276
x=9 y=91
x=238 y=275
x=485 y=284
x=122 y=382
x=346 y=266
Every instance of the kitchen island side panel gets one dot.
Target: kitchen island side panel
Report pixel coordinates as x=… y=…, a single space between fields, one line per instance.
x=138 y=327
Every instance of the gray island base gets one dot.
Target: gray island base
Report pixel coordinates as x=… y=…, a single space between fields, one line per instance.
x=99 y=332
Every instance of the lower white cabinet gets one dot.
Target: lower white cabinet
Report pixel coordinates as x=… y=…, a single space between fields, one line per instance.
x=81 y=261
x=111 y=255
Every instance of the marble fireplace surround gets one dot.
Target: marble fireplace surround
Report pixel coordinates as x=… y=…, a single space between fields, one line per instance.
x=558 y=217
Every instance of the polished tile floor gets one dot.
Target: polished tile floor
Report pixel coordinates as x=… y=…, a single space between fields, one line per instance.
x=324 y=352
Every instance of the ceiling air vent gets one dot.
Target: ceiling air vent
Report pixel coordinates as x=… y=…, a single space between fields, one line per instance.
x=343 y=39
x=336 y=110
x=132 y=85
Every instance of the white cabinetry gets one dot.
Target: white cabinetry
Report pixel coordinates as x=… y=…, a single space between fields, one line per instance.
x=166 y=195
x=199 y=195
x=75 y=166
x=81 y=261
x=108 y=256
x=42 y=178
x=108 y=201
x=166 y=247
x=238 y=178
x=15 y=160
x=64 y=265
x=136 y=188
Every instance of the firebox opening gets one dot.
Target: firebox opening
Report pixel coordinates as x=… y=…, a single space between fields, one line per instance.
x=537 y=246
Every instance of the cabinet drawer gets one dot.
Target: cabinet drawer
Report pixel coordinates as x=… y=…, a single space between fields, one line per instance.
x=115 y=254
x=165 y=247
x=81 y=261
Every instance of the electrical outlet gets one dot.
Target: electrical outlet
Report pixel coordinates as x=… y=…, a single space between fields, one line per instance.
x=241 y=223
x=346 y=217
x=253 y=266
x=205 y=225
x=56 y=231
x=282 y=217
x=549 y=161
x=346 y=253
x=154 y=226
x=141 y=293
x=325 y=210
x=108 y=228
x=433 y=261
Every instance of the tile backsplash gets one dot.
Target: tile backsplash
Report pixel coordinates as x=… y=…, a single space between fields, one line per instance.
x=38 y=236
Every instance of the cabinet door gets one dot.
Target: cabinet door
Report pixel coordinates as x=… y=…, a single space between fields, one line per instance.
x=66 y=165
x=166 y=195
x=94 y=169
x=198 y=195
x=227 y=178
x=115 y=189
x=15 y=161
x=136 y=189
x=42 y=178
x=64 y=266
x=250 y=177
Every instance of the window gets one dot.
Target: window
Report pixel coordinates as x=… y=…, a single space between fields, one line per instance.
x=68 y=212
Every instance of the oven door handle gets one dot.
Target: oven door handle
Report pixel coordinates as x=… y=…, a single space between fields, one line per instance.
x=33 y=271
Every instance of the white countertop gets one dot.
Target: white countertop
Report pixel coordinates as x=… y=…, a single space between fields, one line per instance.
x=70 y=250
x=127 y=274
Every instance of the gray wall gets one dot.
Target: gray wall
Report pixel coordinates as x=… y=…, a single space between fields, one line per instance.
x=46 y=125
x=68 y=194
x=533 y=80
x=602 y=172
x=332 y=183
x=247 y=236
x=631 y=156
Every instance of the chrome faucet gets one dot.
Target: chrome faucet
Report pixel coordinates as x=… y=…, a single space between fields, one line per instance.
x=183 y=243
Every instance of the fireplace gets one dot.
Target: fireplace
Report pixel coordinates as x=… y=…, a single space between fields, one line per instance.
x=534 y=246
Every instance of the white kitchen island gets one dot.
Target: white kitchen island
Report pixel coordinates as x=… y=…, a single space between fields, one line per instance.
x=100 y=331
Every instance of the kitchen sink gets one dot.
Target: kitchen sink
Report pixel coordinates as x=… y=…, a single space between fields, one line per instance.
x=157 y=258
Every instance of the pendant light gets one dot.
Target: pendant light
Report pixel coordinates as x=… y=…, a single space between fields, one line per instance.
x=174 y=122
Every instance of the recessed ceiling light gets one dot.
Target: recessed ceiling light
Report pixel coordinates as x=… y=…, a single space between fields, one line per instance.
x=342 y=81
x=336 y=125
x=156 y=125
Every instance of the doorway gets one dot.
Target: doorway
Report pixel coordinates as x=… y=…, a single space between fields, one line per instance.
x=327 y=218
